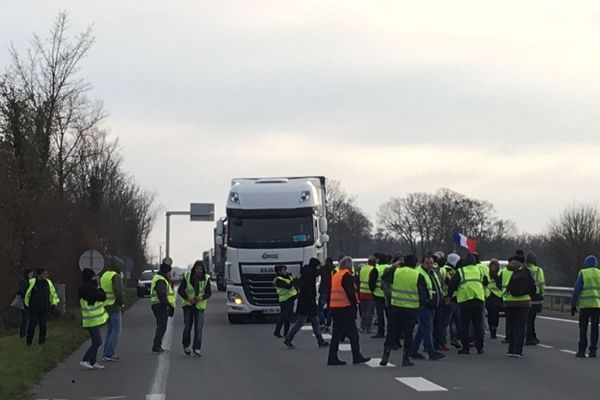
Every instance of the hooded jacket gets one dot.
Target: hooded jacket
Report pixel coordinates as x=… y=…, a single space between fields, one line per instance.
x=513 y=266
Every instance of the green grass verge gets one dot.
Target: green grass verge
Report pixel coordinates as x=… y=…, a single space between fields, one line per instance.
x=21 y=366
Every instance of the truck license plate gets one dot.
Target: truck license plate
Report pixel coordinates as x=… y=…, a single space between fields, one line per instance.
x=274 y=310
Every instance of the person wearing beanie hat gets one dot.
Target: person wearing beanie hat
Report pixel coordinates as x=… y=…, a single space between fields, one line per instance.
x=537 y=299
x=162 y=297
x=91 y=299
x=586 y=295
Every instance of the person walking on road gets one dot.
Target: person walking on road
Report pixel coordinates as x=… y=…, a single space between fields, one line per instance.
x=323 y=313
x=195 y=290
x=343 y=304
x=517 y=287
x=378 y=295
x=22 y=285
x=93 y=316
x=307 y=306
x=367 y=303
x=586 y=295
x=537 y=299
x=426 y=314
x=406 y=291
x=493 y=303
x=162 y=298
x=286 y=293
x=111 y=281
x=40 y=298
x=468 y=283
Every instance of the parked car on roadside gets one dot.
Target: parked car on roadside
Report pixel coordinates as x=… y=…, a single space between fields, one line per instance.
x=144 y=283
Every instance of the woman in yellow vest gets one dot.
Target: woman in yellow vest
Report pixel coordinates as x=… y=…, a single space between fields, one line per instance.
x=93 y=316
x=162 y=298
x=286 y=294
x=493 y=303
x=195 y=290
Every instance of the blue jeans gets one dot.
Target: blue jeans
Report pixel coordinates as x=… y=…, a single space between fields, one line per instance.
x=322 y=311
x=299 y=322
x=424 y=332
x=113 y=330
x=92 y=352
x=450 y=319
x=367 y=310
x=192 y=317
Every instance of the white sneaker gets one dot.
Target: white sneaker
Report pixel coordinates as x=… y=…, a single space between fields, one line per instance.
x=187 y=351
x=98 y=366
x=86 y=364
x=197 y=353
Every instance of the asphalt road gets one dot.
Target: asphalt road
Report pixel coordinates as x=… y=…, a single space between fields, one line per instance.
x=247 y=362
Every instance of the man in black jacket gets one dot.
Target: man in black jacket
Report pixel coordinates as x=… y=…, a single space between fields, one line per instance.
x=163 y=303
x=39 y=302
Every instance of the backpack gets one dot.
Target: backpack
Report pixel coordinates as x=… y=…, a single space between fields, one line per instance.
x=521 y=283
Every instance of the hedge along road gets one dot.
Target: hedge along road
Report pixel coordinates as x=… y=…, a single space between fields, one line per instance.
x=246 y=361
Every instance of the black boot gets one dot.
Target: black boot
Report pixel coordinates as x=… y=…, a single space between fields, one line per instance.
x=493 y=332
x=385 y=357
x=406 y=362
x=592 y=353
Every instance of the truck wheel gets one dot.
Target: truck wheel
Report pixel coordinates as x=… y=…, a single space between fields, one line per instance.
x=235 y=318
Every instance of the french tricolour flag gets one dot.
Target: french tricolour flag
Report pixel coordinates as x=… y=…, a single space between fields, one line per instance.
x=465 y=242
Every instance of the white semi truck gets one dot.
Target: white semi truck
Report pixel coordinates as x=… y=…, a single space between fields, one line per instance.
x=269 y=221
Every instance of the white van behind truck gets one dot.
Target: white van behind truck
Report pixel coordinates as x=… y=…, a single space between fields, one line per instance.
x=269 y=221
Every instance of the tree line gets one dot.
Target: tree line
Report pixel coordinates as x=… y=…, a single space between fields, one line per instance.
x=420 y=223
x=63 y=188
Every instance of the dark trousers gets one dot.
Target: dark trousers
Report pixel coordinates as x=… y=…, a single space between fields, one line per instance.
x=314 y=321
x=344 y=326
x=192 y=317
x=471 y=318
x=401 y=322
x=24 y=322
x=287 y=307
x=585 y=315
x=323 y=311
x=438 y=331
x=493 y=305
x=380 y=309
x=161 y=313
x=531 y=335
x=92 y=352
x=35 y=319
x=516 y=323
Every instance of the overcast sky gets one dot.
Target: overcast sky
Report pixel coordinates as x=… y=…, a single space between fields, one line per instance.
x=498 y=101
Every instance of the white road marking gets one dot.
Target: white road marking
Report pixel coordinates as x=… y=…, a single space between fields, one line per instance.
x=107 y=398
x=559 y=319
x=306 y=328
x=161 y=373
x=325 y=335
x=422 y=385
x=374 y=363
x=345 y=347
x=545 y=346
x=500 y=336
x=568 y=351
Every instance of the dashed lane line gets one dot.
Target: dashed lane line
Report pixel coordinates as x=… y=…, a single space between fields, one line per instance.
x=306 y=328
x=345 y=347
x=374 y=363
x=559 y=319
x=544 y=346
x=421 y=384
x=161 y=373
x=568 y=351
x=325 y=336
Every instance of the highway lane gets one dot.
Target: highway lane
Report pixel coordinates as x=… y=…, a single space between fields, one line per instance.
x=246 y=361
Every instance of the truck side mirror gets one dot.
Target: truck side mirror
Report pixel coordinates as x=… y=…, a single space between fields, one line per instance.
x=219 y=240
x=323 y=225
x=220 y=227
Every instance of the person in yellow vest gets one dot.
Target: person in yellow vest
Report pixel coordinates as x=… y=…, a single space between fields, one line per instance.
x=93 y=316
x=406 y=292
x=468 y=283
x=343 y=303
x=111 y=281
x=537 y=299
x=40 y=297
x=517 y=286
x=439 y=260
x=493 y=303
x=195 y=290
x=451 y=310
x=162 y=298
x=367 y=304
x=286 y=293
x=378 y=296
x=586 y=295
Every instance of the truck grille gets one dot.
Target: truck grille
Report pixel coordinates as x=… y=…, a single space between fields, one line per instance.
x=259 y=290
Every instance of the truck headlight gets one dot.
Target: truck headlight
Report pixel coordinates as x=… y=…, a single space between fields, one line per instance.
x=235 y=298
x=234 y=197
x=304 y=196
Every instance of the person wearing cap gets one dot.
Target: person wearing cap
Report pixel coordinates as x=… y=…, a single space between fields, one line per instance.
x=451 y=311
x=367 y=304
x=517 y=287
x=162 y=297
x=468 y=284
x=343 y=303
x=93 y=316
x=286 y=293
x=586 y=295
x=111 y=281
x=537 y=299
x=378 y=295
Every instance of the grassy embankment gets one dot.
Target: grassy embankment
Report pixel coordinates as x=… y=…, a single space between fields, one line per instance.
x=21 y=366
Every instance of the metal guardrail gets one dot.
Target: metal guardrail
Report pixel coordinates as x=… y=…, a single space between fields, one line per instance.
x=554 y=293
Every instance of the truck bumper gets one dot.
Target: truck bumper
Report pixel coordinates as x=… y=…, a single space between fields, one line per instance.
x=237 y=303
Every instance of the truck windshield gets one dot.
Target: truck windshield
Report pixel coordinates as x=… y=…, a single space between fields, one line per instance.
x=279 y=232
